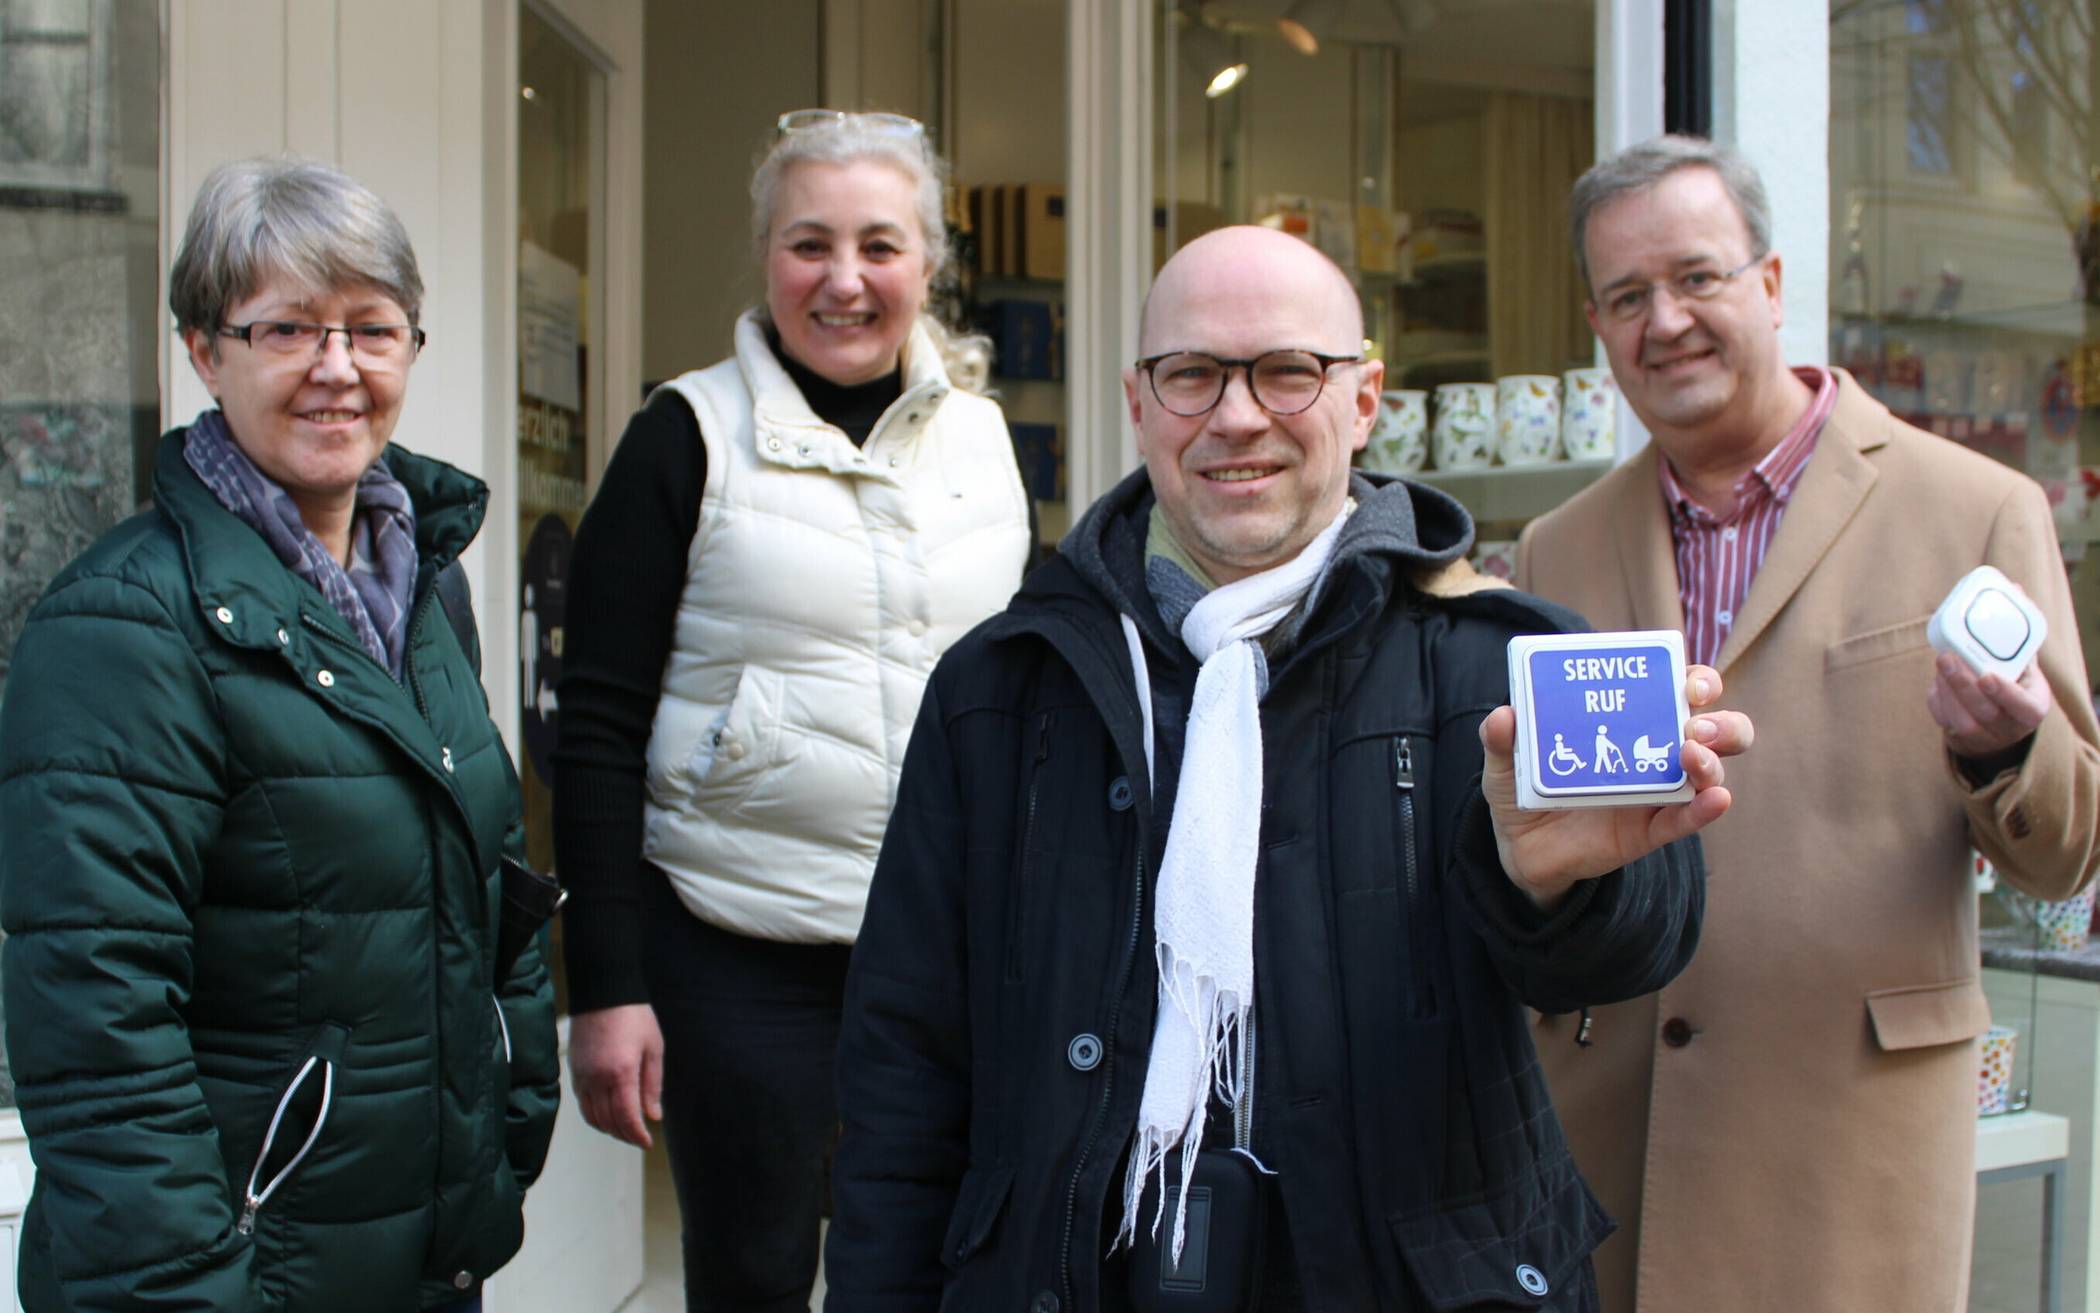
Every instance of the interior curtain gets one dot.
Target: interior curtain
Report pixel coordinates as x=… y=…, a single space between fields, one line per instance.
x=1536 y=146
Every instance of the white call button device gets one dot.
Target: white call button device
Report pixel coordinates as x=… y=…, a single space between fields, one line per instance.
x=1989 y=624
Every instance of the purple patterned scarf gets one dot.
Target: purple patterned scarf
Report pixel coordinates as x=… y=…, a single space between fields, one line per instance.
x=375 y=592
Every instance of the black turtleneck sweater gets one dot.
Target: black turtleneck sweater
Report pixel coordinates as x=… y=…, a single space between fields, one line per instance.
x=625 y=578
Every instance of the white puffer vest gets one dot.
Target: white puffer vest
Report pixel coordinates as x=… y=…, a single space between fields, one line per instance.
x=823 y=583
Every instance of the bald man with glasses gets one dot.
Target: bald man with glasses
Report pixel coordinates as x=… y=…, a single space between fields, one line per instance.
x=1198 y=945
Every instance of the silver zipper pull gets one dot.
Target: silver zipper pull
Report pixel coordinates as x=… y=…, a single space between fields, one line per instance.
x=246 y=1226
x=1403 y=765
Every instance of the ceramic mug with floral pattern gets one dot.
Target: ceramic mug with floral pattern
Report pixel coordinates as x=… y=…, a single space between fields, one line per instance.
x=1464 y=435
x=1994 y=1070
x=1527 y=414
x=1589 y=412
x=1400 y=439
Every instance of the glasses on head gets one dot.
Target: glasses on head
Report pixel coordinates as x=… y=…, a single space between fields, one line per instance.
x=375 y=346
x=1191 y=383
x=810 y=120
x=1633 y=301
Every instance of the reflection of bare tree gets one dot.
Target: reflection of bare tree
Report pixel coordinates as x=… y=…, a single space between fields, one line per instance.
x=2029 y=69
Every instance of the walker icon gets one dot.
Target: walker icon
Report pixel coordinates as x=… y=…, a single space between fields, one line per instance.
x=1599 y=718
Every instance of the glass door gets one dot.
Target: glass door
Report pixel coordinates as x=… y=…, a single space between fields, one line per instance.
x=1427 y=148
x=561 y=189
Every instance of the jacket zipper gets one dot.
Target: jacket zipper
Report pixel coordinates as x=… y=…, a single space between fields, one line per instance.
x=1015 y=918
x=254 y=1197
x=1423 y=1003
x=502 y=1027
x=1108 y=1071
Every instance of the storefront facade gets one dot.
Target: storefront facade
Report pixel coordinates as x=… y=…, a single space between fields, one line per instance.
x=572 y=173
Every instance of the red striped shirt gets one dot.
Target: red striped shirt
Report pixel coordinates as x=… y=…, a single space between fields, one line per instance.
x=1718 y=556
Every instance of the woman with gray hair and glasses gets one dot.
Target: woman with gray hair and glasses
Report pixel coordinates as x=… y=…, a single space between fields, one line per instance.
x=267 y=1048
x=782 y=547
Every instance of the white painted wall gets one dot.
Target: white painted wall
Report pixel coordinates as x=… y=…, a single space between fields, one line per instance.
x=1772 y=102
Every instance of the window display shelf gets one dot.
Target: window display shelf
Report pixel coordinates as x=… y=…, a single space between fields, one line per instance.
x=1515 y=492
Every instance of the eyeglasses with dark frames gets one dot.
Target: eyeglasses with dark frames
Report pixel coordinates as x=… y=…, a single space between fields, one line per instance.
x=1192 y=383
x=372 y=345
x=1632 y=301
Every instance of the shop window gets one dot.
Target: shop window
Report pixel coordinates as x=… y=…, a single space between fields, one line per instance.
x=2030 y=129
x=54 y=94
x=1925 y=17
x=1429 y=151
x=1929 y=116
x=1965 y=295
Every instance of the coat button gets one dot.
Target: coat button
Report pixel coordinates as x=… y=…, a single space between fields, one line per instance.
x=1044 y=1303
x=802 y=450
x=893 y=462
x=283 y=639
x=326 y=679
x=917 y=627
x=1533 y=1280
x=461 y=1280
x=1677 y=1032
x=1084 y=1052
x=225 y=616
x=1119 y=794
x=736 y=751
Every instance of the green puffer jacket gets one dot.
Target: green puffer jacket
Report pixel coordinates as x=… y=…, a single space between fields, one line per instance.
x=245 y=875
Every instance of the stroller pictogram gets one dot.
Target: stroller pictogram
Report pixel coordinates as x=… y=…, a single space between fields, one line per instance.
x=1646 y=758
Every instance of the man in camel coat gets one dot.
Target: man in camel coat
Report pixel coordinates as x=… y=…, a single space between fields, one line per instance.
x=1790 y=1124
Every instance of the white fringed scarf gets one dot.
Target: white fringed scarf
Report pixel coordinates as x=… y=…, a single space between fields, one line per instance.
x=1203 y=913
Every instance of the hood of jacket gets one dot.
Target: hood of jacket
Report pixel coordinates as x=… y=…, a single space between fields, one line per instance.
x=1399 y=529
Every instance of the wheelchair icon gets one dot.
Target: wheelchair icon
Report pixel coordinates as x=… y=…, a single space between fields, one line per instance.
x=1562 y=753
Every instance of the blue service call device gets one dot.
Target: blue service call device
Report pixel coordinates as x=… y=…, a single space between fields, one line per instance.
x=1600 y=719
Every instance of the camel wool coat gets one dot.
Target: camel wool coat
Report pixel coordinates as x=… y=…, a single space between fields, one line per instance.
x=1790 y=1124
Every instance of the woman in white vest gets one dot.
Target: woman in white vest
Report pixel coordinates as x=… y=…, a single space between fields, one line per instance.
x=783 y=545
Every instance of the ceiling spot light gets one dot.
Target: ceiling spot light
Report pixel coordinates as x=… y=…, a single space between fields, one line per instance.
x=1210 y=55
x=1307 y=23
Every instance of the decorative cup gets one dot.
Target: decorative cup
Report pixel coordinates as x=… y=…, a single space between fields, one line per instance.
x=1589 y=412
x=1527 y=412
x=1464 y=435
x=1400 y=439
x=2062 y=926
x=1498 y=558
x=1986 y=874
x=1994 y=1071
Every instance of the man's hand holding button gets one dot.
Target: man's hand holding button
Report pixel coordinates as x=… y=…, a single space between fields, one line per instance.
x=1985 y=715
x=1986 y=630
x=1546 y=852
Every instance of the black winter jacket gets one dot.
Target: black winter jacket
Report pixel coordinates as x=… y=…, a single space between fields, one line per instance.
x=1001 y=1001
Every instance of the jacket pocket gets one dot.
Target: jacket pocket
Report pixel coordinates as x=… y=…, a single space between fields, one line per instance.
x=732 y=755
x=1924 y=1016
x=502 y=1027
x=275 y=1162
x=1523 y=1249
x=978 y=1204
x=1416 y=888
x=1017 y=927
x=1876 y=644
